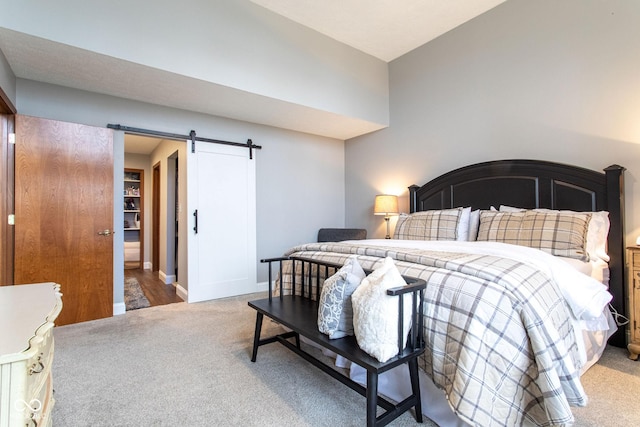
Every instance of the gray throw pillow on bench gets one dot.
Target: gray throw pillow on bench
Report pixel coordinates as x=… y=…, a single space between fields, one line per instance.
x=335 y=313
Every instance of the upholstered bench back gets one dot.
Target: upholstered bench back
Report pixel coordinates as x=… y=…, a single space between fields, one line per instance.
x=340 y=234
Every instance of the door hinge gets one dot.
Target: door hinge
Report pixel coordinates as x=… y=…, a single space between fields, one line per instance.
x=12 y=138
x=11 y=220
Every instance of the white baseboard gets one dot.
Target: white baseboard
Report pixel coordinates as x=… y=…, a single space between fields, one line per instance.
x=184 y=293
x=147 y=265
x=119 y=308
x=181 y=292
x=166 y=279
x=262 y=286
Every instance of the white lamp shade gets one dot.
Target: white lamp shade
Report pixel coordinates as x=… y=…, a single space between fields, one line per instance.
x=385 y=204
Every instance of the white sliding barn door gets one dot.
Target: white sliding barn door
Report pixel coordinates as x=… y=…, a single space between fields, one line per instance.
x=221 y=181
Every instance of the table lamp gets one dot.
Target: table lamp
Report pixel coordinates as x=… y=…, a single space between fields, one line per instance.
x=387 y=205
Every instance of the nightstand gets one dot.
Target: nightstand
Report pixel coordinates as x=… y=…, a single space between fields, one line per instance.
x=633 y=286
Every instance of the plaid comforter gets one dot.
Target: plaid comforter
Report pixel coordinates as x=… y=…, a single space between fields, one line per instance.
x=500 y=340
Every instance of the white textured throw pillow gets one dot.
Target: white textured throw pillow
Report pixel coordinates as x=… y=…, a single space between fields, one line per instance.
x=335 y=313
x=375 y=314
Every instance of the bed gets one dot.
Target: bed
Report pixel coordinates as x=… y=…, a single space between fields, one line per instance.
x=511 y=318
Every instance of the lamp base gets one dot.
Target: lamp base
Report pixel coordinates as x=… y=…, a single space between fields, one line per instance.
x=386 y=219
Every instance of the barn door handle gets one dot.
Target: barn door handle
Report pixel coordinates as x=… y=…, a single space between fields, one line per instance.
x=106 y=232
x=195 y=227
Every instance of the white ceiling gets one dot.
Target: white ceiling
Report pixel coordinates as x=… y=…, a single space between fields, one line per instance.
x=385 y=29
x=136 y=144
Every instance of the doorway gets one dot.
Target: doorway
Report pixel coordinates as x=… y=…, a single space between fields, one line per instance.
x=155 y=277
x=215 y=214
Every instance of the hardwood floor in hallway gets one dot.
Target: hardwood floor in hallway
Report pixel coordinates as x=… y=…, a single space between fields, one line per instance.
x=156 y=291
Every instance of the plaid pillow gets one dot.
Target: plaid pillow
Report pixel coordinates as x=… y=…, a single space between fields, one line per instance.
x=556 y=233
x=500 y=226
x=597 y=230
x=429 y=225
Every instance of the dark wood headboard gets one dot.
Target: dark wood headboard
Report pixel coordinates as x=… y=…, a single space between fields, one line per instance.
x=538 y=184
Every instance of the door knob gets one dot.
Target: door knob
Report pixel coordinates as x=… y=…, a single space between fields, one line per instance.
x=106 y=232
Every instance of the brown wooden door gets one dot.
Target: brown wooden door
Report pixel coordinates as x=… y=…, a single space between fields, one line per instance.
x=63 y=199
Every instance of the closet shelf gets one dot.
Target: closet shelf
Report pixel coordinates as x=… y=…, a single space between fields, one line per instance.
x=133 y=216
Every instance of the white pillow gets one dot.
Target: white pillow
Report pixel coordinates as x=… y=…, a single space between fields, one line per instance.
x=335 y=312
x=474 y=224
x=597 y=231
x=597 y=236
x=375 y=314
x=462 y=232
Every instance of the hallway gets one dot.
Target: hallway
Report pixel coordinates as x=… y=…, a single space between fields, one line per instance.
x=154 y=289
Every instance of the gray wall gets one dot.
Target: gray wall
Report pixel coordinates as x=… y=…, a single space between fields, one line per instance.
x=118 y=218
x=548 y=80
x=300 y=177
x=235 y=44
x=7 y=79
x=166 y=155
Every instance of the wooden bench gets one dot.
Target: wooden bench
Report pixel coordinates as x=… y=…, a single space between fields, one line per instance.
x=299 y=313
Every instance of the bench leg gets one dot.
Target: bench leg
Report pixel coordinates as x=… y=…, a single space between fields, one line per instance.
x=415 y=387
x=372 y=398
x=256 y=336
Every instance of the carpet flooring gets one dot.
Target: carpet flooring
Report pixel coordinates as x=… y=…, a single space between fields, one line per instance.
x=189 y=364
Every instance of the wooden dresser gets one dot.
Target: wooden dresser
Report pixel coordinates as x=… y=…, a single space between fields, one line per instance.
x=633 y=291
x=27 y=313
